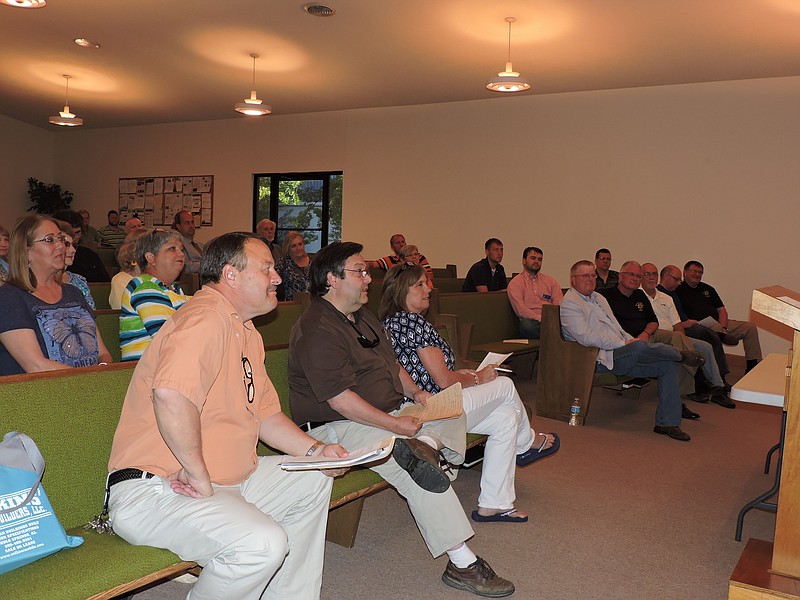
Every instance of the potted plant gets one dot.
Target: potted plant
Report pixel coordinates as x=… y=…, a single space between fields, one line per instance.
x=47 y=198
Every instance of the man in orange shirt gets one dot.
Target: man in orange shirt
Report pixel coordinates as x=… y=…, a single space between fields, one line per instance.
x=184 y=473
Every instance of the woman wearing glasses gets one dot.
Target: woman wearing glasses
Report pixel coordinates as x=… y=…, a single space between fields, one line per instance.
x=66 y=276
x=293 y=266
x=150 y=298
x=44 y=325
x=491 y=403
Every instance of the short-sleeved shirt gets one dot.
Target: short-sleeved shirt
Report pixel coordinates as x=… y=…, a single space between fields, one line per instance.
x=699 y=302
x=194 y=251
x=632 y=312
x=481 y=274
x=411 y=332
x=326 y=359
x=527 y=294
x=112 y=235
x=295 y=278
x=199 y=353
x=610 y=282
x=387 y=262
x=66 y=330
x=146 y=304
x=665 y=310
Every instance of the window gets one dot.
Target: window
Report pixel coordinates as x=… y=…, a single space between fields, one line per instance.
x=310 y=203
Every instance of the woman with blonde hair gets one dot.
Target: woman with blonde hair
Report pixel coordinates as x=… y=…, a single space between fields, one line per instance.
x=293 y=266
x=129 y=268
x=44 y=325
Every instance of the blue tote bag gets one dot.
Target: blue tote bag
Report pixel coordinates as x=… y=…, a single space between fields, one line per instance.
x=29 y=529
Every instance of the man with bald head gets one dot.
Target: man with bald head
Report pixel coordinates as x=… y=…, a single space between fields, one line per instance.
x=133 y=224
x=184 y=223
x=708 y=381
x=587 y=319
x=266 y=229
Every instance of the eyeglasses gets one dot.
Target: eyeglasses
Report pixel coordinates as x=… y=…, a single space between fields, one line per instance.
x=365 y=343
x=673 y=276
x=586 y=276
x=363 y=272
x=53 y=239
x=248 y=380
x=634 y=275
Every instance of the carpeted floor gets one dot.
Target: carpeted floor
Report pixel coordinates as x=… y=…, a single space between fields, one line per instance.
x=618 y=513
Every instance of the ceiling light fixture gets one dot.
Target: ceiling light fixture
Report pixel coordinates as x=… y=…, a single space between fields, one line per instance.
x=252 y=106
x=65 y=117
x=84 y=43
x=316 y=9
x=24 y=3
x=508 y=80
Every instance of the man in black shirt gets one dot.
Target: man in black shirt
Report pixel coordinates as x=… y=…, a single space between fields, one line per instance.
x=699 y=300
x=87 y=262
x=487 y=275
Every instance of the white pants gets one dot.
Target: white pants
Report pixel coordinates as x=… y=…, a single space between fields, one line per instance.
x=270 y=529
x=495 y=409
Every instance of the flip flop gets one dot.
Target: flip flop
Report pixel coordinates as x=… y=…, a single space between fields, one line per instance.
x=503 y=517
x=533 y=454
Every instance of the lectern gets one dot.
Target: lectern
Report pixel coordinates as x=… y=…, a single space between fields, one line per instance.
x=772 y=570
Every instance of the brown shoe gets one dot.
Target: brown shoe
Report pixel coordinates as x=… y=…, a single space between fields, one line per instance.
x=478 y=578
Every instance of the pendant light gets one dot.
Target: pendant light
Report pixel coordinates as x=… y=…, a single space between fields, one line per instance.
x=25 y=3
x=508 y=80
x=252 y=106
x=65 y=117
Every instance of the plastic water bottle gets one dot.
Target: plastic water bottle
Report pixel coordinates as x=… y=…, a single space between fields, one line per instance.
x=575 y=413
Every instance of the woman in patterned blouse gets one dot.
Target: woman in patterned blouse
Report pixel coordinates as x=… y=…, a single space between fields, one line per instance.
x=293 y=266
x=491 y=403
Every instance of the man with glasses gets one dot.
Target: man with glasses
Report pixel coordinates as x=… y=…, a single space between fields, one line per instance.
x=184 y=473
x=700 y=301
x=670 y=280
x=635 y=314
x=345 y=380
x=606 y=278
x=587 y=318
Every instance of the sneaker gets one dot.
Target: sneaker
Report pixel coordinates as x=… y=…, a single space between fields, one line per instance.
x=478 y=578
x=422 y=464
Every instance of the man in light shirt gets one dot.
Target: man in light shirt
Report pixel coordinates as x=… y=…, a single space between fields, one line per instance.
x=529 y=290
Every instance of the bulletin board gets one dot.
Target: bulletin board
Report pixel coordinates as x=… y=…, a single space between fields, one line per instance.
x=156 y=200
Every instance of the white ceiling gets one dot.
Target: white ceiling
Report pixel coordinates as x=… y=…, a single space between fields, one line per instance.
x=188 y=60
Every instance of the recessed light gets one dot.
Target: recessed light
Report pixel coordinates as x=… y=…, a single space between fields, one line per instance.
x=84 y=43
x=319 y=10
x=24 y=3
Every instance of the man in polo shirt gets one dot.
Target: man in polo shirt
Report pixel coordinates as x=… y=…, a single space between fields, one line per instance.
x=184 y=223
x=529 y=290
x=587 y=318
x=701 y=301
x=344 y=374
x=487 y=275
x=606 y=277
x=184 y=473
x=112 y=235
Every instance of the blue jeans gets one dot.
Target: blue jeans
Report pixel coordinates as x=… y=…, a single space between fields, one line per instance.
x=645 y=359
x=530 y=328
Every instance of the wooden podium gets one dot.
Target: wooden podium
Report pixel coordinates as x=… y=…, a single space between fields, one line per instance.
x=772 y=570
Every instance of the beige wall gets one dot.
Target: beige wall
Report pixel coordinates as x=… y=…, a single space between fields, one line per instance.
x=665 y=174
x=25 y=151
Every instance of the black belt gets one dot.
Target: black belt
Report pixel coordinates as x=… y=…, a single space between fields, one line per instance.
x=126 y=475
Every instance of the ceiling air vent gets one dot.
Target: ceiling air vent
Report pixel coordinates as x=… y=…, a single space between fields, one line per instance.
x=319 y=10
